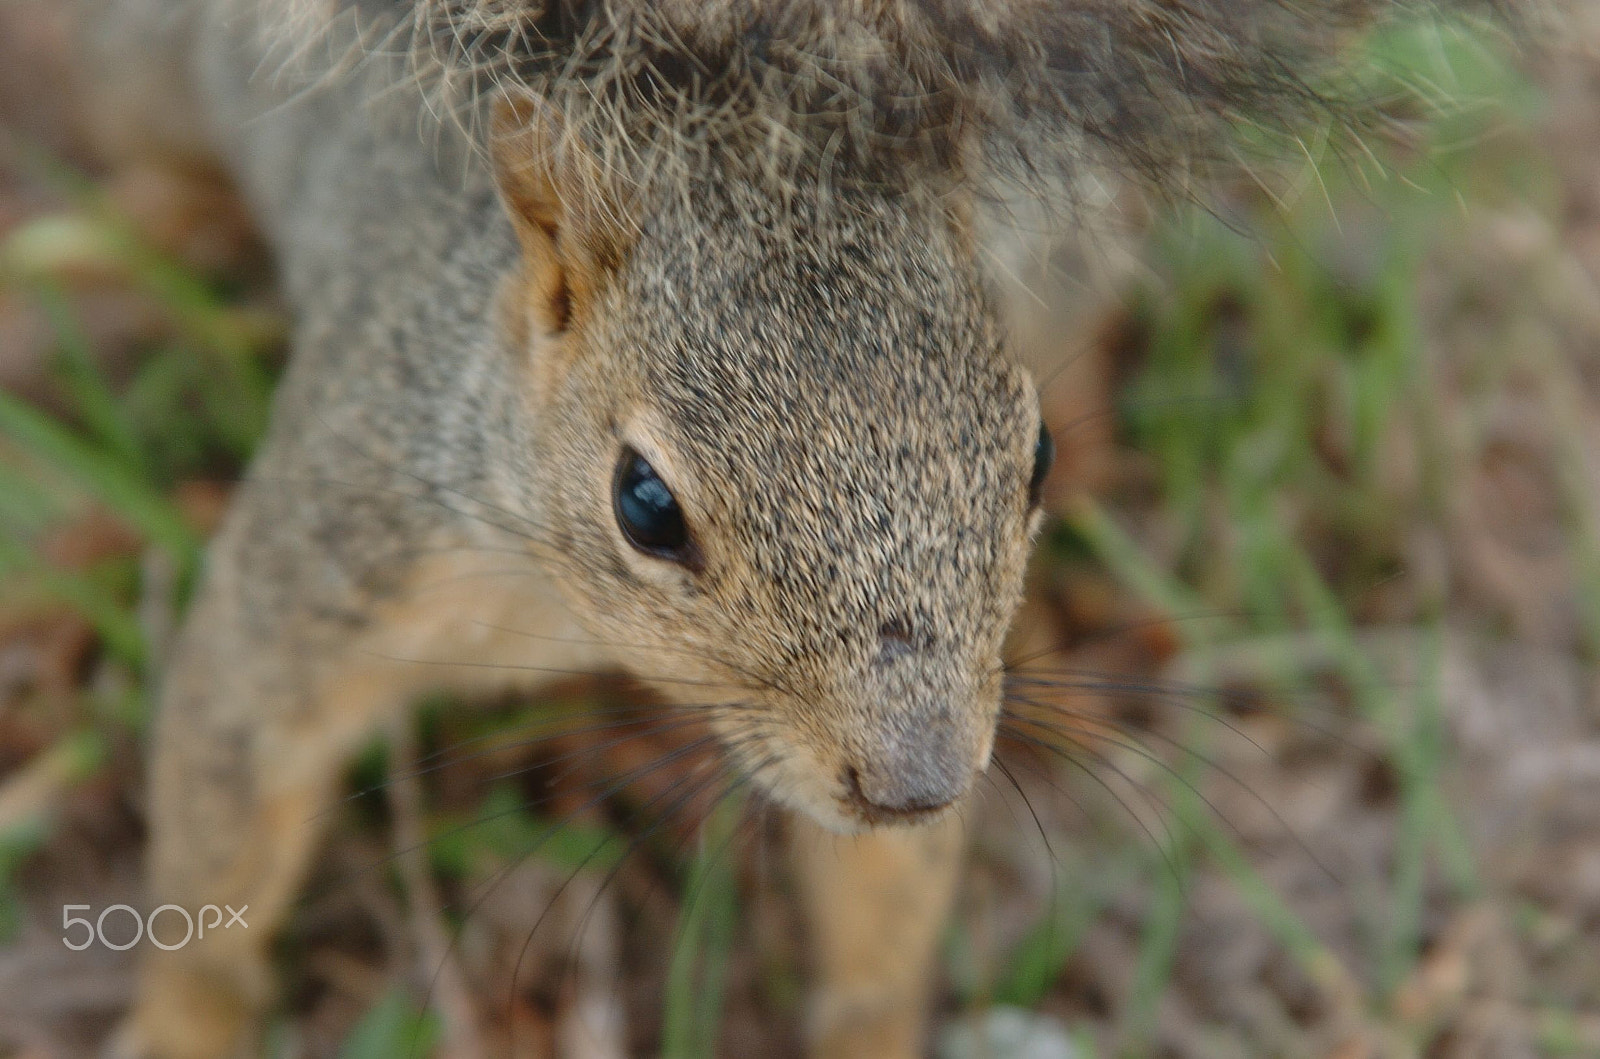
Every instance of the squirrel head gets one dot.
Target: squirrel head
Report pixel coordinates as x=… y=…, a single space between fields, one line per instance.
x=787 y=469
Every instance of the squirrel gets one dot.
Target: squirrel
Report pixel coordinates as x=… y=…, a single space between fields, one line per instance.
x=673 y=316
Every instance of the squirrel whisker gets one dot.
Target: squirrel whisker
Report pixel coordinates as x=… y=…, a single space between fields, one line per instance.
x=1133 y=732
x=686 y=796
x=610 y=790
x=1100 y=761
x=1191 y=698
x=445 y=757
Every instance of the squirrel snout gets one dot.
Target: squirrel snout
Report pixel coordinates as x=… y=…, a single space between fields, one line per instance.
x=912 y=775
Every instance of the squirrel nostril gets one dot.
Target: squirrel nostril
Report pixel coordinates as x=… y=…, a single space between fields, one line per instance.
x=902 y=804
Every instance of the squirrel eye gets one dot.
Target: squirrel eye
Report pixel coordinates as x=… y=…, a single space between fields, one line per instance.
x=648 y=513
x=1044 y=455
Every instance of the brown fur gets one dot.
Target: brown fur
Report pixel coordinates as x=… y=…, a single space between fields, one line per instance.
x=737 y=237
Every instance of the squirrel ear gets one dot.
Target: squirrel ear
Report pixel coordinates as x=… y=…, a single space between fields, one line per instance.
x=550 y=185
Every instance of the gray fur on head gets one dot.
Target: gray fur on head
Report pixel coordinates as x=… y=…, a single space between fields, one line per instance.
x=898 y=93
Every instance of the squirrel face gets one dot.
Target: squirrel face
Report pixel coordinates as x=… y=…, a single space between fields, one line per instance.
x=791 y=474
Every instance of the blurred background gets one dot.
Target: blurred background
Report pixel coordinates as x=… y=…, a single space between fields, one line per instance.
x=1312 y=766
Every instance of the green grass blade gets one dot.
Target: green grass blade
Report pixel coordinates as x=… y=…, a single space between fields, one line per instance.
x=132 y=498
x=392 y=1028
x=86 y=385
x=696 y=978
x=114 y=621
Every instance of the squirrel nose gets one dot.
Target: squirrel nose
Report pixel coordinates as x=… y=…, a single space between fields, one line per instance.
x=913 y=774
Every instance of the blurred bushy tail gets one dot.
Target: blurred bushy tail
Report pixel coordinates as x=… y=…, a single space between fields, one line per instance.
x=917 y=92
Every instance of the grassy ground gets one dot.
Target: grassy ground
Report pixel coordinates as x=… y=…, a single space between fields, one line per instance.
x=1310 y=649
